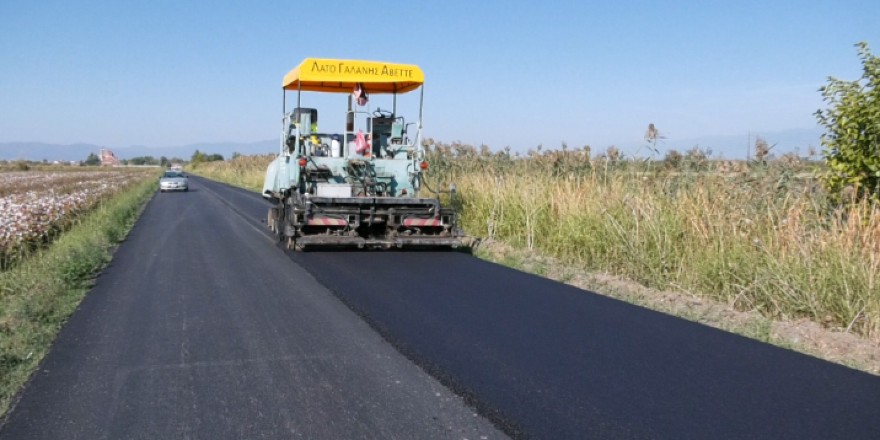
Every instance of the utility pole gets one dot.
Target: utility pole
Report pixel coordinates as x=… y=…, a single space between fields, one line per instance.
x=749 y=146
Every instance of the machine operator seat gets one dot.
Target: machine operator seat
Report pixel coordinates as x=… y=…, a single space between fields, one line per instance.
x=298 y=113
x=396 y=137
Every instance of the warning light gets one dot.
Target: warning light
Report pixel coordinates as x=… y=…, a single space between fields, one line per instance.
x=423 y=165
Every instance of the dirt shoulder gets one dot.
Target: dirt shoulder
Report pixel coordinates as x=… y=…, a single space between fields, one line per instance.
x=832 y=344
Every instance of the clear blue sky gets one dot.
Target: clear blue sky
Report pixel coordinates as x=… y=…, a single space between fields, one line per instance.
x=162 y=73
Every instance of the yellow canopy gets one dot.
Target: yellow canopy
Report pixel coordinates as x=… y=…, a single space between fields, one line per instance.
x=341 y=76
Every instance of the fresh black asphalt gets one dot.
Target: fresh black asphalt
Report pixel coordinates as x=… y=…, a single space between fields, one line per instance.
x=539 y=359
x=546 y=360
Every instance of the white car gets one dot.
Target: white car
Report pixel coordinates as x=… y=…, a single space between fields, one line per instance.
x=173 y=181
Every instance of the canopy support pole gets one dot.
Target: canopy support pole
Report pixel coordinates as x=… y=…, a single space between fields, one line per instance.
x=421 y=105
x=418 y=139
x=283 y=109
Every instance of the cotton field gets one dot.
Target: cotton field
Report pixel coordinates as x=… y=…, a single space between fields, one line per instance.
x=36 y=204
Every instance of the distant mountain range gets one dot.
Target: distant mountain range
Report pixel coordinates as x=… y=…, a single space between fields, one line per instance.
x=36 y=151
x=730 y=147
x=735 y=146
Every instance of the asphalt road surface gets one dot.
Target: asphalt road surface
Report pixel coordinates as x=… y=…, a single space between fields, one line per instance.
x=200 y=328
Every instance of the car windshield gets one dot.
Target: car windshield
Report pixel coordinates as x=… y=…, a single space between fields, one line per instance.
x=172 y=174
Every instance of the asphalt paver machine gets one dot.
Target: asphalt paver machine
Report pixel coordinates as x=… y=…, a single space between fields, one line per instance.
x=364 y=184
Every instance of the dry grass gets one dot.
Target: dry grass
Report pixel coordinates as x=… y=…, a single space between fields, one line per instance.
x=243 y=171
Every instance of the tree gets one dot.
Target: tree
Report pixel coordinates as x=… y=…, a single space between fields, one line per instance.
x=92 y=160
x=198 y=157
x=143 y=160
x=852 y=129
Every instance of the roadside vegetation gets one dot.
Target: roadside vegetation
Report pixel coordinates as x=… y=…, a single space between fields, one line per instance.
x=70 y=222
x=852 y=130
x=760 y=235
x=243 y=171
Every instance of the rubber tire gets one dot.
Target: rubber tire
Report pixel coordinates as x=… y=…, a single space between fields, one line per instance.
x=280 y=224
